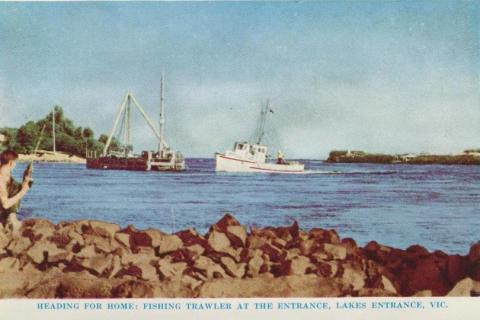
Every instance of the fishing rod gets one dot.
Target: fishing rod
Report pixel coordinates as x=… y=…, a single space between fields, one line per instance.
x=29 y=169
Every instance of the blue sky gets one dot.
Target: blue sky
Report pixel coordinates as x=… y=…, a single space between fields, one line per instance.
x=377 y=76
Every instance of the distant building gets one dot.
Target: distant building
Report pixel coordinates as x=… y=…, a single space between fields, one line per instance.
x=3 y=138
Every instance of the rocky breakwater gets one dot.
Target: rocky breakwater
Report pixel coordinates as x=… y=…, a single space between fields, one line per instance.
x=95 y=259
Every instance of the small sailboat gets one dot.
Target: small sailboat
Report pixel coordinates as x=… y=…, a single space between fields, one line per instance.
x=252 y=156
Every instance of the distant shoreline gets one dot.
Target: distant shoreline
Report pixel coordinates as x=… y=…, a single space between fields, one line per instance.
x=50 y=156
x=468 y=157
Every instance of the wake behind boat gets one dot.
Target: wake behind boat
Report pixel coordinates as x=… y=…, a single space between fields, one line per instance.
x=252 y=157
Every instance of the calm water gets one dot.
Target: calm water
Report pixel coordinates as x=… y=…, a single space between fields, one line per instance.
x=398 y=205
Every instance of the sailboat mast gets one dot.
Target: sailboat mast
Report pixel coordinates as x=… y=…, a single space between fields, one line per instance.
x=53 y=130
x=162 y=115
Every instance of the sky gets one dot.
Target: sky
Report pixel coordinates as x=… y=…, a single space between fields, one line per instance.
x=392 y=77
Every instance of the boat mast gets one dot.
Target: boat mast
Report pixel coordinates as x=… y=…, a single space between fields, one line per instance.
x=53 y=130
x=162 y=116
x=263 y=119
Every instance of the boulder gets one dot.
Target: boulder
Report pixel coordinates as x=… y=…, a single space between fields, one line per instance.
x=457 y=268
x=338 y=251
x=255 y=263
x=169 y=269
x=98 y=263
x=474 y=253
x=465 y=288
x=388 y=285
x=238 y=232
x=300 y=265
x=210 y=268
x=167 y=243
x=353 y=277
x=104 y=229
x=115 y=267
x=87 y=252
x=123 y=238
x=218 y=241
x=19 y=245
x=148 y=271
x=8 y=264
x=233 y=269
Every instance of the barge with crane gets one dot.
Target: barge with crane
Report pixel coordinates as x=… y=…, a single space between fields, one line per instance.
x=122 y=157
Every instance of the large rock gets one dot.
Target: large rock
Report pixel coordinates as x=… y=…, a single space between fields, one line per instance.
x=353 y=277
x=45 y=249
x=232 y=268
x=104 y=229
x=218 y=241
x=300 y=265
x=8 y=264
x=167 y=243
x=338 y=252
x=171 y=270
x=98 y=264
x=465 y=288
x=210 y=268
x=19 y=245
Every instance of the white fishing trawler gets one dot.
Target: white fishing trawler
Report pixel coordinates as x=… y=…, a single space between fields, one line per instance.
x=252 y=156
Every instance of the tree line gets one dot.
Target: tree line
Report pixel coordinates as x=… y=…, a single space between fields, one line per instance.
x=68 y=137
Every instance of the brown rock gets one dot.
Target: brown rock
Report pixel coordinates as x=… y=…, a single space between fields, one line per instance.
x=457 y=268
x=388 y=285
x=104 y=229
x=300 y=265
x=98 y=263
x=237 y=235
x=426 y=276
x=168 y=243
x=255 y=263
x=45 y=248
x=353 y=277
x=171 y=270
x=123 y=238
x=18 y=245
x=115 y=267
x=325 y=236
x=87 y=252
x=211 y=269
x=474 y=253
x=148 y=271
x=337 y=251
x=233 y=269
x=196 y=249
x=9 y=264
x=218 y=241
x=190 y=237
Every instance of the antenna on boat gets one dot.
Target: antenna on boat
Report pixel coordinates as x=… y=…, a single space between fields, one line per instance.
x=162 y=115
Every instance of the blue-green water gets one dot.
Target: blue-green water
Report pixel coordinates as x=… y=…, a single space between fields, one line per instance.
x=398 y=205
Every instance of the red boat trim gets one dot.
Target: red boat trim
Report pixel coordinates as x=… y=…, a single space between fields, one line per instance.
x=222 y=156
x=272 y=170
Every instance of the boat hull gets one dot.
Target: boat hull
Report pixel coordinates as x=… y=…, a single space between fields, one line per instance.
x=134 y=164
x=230 y=164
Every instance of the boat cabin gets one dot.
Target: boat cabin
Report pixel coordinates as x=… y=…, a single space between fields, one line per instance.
x=249 y=152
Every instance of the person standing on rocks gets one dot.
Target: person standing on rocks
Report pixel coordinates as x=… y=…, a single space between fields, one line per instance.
x=11 y=192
